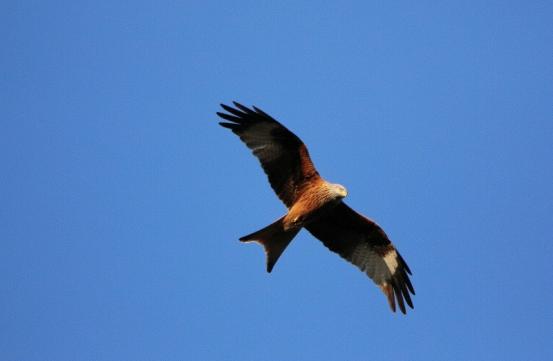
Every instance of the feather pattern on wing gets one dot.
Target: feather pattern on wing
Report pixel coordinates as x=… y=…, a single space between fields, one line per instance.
x=282 y=154
x=363 y=243
x=294 y=178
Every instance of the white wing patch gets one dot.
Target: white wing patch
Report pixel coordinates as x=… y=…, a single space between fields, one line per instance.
x=379 y=268
x=391 y=261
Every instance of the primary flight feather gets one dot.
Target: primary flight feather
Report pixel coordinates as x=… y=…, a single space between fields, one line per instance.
x=316 y=205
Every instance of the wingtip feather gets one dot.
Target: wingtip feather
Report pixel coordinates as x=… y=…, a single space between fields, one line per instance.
x=243 y=108
x=399 y=297
x=388 y=292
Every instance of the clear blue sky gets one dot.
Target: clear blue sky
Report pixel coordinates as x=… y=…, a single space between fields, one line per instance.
x=123 y=200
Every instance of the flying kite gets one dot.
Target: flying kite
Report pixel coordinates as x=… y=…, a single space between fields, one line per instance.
x=316 y=205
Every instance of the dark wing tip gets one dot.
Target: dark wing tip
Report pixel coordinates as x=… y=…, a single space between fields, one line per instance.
x=398 y=289
x=244 y=115
x=408 y=283
x=233 y=111
x=237 y=104
x=399 y=296
x=240 y=114
x=230 y=126
x=403 y=263
x=232 y=118
x=262 y=113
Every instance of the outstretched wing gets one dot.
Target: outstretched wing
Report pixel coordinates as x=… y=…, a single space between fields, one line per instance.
x=363 y=243
x=282 y=154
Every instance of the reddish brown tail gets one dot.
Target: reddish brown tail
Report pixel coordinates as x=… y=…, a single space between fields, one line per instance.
x=274 y=239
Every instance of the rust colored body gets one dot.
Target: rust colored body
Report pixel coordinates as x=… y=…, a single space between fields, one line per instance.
x=316 y=205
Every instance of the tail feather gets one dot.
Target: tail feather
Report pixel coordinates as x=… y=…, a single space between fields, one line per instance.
x=274 y=239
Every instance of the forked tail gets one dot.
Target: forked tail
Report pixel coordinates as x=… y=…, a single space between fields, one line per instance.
x=274 y=239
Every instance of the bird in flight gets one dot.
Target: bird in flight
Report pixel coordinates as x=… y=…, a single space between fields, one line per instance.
x=316 y=205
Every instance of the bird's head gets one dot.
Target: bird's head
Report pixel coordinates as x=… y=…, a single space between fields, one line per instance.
x=339 y=191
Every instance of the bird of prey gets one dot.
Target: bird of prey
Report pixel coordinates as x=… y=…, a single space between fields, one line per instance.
x=316 y=205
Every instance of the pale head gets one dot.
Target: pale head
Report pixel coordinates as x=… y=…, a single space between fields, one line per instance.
x=338 y=190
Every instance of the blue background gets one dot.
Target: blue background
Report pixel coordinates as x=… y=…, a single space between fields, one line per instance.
x=122 y=200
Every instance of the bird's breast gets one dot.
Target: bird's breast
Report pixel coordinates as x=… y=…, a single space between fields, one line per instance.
x=309 y=207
